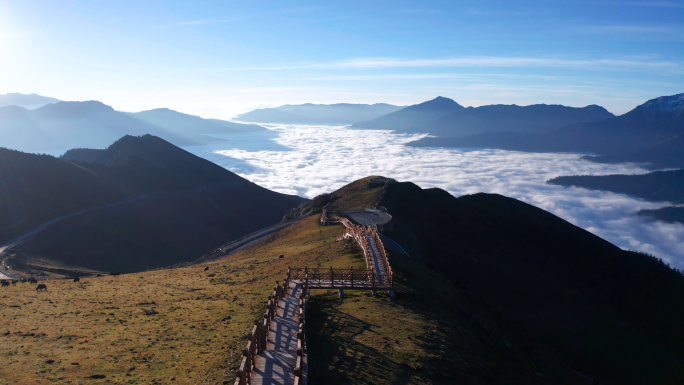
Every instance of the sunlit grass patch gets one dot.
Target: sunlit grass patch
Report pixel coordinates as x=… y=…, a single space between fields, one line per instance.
x=99 y=327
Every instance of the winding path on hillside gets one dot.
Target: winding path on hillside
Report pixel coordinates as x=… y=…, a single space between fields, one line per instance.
x=45 y=225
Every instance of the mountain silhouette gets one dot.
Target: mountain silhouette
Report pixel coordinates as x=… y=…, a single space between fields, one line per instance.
x=652 y=124
x=91 y=124
x=658 y=186
x=341 y=113
x=66 y=125
x=178 y=206
x=180 y=123
x=30 y=102
x=409 y=118
x=531 y=119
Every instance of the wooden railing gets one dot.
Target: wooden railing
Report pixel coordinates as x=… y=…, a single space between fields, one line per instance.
x=301 y=337
x=340 y=278
x=258 y=337
x=384 y=261
x=359 y=234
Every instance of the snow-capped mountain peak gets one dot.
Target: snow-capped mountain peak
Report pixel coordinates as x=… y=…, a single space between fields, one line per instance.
x=665 y=103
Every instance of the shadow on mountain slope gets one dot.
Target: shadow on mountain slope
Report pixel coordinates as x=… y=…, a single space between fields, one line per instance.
x=612 y=314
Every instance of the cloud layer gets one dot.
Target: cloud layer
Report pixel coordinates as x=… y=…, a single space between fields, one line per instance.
x=310 y=160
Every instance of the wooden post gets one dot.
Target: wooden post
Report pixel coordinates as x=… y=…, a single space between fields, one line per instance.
x=351 y=276
x=332 y=282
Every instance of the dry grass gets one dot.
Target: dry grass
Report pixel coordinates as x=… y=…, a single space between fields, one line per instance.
x=432 y=332
x=98 y=327
x=356 y=195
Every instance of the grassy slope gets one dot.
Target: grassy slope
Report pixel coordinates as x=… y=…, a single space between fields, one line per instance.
x=356 y=195
x=197 y=335
x=199 y=332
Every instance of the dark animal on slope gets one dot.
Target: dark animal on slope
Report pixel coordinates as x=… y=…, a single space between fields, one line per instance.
x=4 y=283
x=206 y=268
x=99 y=275
x=40 y=287
x=114 y=274
x=13 y=282
x=77 y=279
x=24 y=280
x=33 y=280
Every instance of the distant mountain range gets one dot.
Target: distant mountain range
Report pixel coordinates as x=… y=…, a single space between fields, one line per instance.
x=64 y=125
x=341 y=113
x=409 y=118
x=189 y=124
x=178 y=206
x=444 y=117
x=30 y=102
x=650 y=132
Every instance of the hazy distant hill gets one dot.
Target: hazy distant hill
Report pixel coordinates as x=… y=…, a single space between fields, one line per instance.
x=187 y=205
x=534 y=118
x=66 y=125
x=610 y=314
x=30 y=102
x=189 y=124
x=650 y=127
x=418 y=115
x=341 y=113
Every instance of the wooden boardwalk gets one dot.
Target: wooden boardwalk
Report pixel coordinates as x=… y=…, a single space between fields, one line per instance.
x=376 y=259
x=275 y=353
x=276 y=364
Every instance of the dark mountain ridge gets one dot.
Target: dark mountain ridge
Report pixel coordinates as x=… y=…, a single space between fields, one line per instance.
x=412 y=116
x=611 y=314
x=177 y=207
x=665 y=214
x=500 y=117
x=658 y=186
x=445 y=118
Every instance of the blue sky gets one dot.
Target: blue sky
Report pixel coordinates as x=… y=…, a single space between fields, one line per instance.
x=216 y=59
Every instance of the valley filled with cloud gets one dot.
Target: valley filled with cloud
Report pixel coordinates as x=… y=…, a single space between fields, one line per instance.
x=311 y=160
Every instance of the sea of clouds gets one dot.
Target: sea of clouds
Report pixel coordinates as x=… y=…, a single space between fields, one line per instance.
x=311 y=160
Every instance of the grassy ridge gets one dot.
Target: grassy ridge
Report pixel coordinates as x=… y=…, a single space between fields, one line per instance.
x=197 y=335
